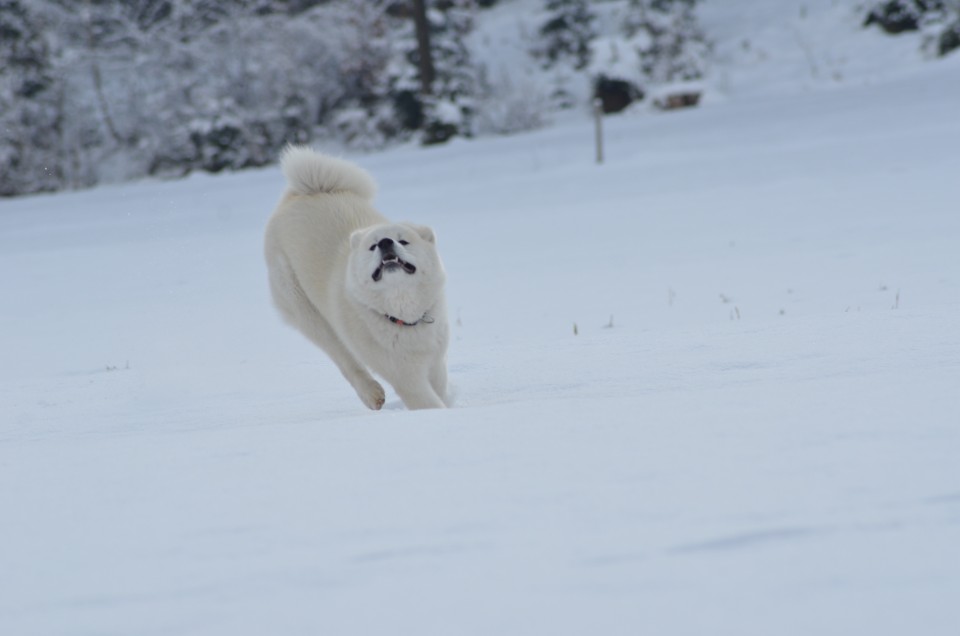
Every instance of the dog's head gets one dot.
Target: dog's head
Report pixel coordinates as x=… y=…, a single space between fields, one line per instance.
x=395 y=264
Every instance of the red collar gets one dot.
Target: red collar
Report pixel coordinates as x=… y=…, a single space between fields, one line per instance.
x=425 y=320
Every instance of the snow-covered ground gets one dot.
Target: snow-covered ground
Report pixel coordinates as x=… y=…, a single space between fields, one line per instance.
x=754 y=430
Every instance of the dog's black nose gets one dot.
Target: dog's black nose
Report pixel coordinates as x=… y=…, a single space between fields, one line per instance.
x=385 y=244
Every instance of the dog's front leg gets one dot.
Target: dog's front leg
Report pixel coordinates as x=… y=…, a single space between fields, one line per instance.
x=368 y=390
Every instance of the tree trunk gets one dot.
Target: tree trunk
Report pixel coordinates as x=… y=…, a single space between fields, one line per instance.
x=423 y=46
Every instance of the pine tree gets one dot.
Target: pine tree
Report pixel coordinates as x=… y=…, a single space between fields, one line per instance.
x=367 y=120
x=668 y=39
x=449 y=107
x=443 y=107
x=567 y=33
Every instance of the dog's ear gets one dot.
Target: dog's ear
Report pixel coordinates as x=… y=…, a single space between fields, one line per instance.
x=425 y=232
x=355 y=237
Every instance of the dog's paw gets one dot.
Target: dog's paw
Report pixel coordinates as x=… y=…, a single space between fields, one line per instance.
x=372 y=395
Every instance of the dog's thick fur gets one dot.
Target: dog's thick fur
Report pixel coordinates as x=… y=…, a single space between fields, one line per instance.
x=367 y=291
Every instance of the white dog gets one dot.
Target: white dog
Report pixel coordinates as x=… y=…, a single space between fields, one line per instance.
x=366 y=291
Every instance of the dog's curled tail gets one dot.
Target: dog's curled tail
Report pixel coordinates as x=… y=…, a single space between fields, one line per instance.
x=309 y=172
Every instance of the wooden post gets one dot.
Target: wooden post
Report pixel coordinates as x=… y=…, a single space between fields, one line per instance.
x=598 y=128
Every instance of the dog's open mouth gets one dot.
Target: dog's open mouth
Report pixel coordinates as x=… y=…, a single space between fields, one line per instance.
x=392 y=263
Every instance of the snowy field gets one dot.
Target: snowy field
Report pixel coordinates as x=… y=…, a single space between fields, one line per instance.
x=755 y=429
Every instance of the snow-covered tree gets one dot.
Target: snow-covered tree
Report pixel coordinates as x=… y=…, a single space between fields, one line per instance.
x=948 y=39
x=564 y=47
x=367 y=118
x=897 y=16
x=31 y=113
x=668 y=39
x=566 y=34
x=450 y=105
x=443 y=107
x=939 y=20
x=105 y=90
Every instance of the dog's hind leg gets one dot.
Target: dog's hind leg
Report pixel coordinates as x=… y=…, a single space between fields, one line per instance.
x=368 y=389
x=297 y=310
x=438 y=380
x=417 y=393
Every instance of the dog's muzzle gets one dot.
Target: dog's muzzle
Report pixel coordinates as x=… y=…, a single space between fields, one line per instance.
x=389 y=261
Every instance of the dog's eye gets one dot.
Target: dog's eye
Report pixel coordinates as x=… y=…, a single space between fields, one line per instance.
x=404 y=242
